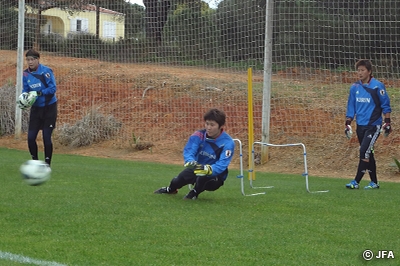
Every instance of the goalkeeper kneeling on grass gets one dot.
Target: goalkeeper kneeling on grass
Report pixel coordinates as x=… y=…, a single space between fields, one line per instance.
x=207 y=155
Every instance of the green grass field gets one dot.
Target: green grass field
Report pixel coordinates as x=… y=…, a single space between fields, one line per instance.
x=98 y=211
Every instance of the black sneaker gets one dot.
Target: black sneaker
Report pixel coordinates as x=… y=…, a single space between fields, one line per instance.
x=165 y=190
x=192 y=195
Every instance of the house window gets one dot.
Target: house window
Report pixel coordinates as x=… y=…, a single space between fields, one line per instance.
x=78 y=25
x=109 y=29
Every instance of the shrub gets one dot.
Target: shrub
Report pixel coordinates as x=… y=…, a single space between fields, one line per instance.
x=83 y=45
x=52 y=42
x=7 y=111
x=397 y=164
x=93 y=128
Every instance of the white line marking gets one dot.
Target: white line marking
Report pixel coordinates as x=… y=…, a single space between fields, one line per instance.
x=22 y=259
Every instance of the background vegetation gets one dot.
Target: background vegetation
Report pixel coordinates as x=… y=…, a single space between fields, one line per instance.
x=7 y=111
x=307 y=33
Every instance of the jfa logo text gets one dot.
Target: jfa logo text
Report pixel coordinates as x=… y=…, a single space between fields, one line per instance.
x=381 y=254
x=385 y=254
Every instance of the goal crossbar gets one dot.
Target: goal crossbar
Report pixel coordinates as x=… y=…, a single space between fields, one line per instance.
x=241 y=174
x=305 y=174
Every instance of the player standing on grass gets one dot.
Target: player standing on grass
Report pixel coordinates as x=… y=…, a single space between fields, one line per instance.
x=367 y=102
x=207 y=155
x=43 y=113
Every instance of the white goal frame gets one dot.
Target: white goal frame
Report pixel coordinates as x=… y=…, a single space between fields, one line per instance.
x=241 y=176
x=251 y=166
x=305 y=174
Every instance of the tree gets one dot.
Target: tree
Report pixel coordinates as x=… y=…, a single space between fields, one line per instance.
x=242 y=29
x=156 y=17
x=197 y=42
x=8 y=27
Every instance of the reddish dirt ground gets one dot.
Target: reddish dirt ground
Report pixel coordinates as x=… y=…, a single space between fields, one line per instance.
x=171 y=152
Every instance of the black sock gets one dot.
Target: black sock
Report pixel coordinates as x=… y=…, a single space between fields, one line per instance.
x=362 y=167
x=48 y=153
x=33 y=150
x=372 y=170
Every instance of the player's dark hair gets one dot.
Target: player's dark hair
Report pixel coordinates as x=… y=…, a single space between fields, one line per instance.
x=215 y=115
x=32 y=53
x=366 y=63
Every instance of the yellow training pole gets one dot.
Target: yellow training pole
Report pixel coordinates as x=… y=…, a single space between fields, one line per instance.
x=250 y=120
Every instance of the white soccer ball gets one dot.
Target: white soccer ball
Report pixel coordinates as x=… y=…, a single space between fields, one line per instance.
x=35 y=172
x=26 y=99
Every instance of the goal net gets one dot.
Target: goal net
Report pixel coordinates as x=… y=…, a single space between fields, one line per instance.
x=138 y=74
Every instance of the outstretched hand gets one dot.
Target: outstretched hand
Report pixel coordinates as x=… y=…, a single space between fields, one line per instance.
x=202 y=170
x=190 y=165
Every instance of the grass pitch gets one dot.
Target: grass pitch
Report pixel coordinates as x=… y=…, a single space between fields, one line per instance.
x=96 y=211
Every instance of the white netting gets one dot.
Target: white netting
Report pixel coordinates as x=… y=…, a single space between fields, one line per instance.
x=156 y=70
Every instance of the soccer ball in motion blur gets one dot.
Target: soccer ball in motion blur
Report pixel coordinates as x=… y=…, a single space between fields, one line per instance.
x=35 y=172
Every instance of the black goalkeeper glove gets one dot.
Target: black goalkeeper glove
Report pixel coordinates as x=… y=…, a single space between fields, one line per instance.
x=386 y=127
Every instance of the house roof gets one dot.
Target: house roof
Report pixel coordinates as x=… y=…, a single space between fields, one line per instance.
x=102 y=10
x=88 y=7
